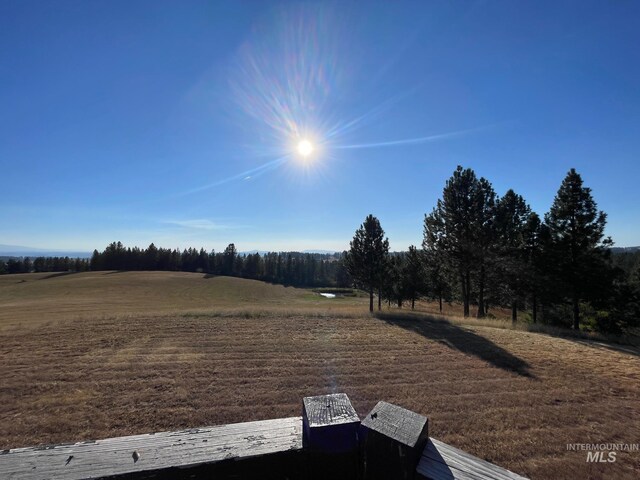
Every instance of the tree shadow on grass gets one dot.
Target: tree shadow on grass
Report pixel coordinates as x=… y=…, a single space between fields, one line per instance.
x=629 y=344
x=459 y=338
x=629 y=349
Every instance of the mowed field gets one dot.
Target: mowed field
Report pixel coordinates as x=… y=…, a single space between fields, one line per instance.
x=102 y=354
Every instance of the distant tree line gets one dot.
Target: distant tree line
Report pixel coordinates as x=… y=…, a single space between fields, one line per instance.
x=43 y=264
x=487 y=250
x=287 y=268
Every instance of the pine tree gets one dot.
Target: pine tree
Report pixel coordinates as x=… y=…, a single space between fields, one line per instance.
x=438 y=285
x=483 y=230
x=414 y=275
x=27 y=265
x=512 y=217
x=343 y=278
x=576 y=229
x=229 y=259
x=394 y=286
x=460 y=232
x=150 y=261
x=534 y=235
x=366 y=258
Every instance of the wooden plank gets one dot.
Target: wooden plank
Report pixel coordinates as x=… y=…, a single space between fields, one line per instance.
x=183 y=449
x=392 y=441
x=330 y=437
x=440 y=461
x=270 y=449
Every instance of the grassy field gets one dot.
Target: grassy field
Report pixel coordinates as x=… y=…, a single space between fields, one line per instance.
x=94 y=355
x=32 y=298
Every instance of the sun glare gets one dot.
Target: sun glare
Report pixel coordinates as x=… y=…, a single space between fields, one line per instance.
x=305 y=148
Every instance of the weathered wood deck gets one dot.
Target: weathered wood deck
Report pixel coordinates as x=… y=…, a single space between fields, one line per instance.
x=269 y=449
x=184 y=450
x=440 y=461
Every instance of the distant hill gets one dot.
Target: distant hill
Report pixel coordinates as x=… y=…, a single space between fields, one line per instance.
x=21 y=251
x=625 y=249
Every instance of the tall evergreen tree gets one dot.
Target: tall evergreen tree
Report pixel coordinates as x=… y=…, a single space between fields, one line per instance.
x=512 y=217
x=438 y=285
x=459 y=231
x=150 y=261
x=394 y=286
x=483 y=230
x=366 y=257
x=576 y=229
x=229 y=259
x=27 y=265
x=14 y=266
x=343 y=278
x=414 y=275
x=534 y=235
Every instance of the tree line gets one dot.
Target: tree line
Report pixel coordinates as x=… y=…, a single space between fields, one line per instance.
x=287 y=268
x=43 y=264
x=487 y=250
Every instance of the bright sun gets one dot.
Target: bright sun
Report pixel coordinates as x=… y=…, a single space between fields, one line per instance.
x=305 y=147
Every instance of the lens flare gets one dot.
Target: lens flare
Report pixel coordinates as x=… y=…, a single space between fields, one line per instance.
x=305 y=147
x=287 y=79
x=289 y=82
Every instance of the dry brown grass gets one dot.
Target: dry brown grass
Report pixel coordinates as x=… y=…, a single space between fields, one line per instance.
x=36 y=297
x=513 y=397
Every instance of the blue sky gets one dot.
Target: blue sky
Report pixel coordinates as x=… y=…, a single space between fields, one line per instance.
x=177 y=122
